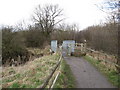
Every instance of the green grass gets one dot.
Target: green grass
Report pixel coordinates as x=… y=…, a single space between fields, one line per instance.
x=112 y=75
x=15 y=85
x=66 y=78
x=31 y=75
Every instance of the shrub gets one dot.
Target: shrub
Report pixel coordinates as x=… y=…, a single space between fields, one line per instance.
x=12 y=45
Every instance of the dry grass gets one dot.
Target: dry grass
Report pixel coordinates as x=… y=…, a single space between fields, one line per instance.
x=103 y=56
x=31 y=75
x=36 y=51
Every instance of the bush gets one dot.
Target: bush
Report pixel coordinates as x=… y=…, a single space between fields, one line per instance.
x=34 y=38
x=12 y=45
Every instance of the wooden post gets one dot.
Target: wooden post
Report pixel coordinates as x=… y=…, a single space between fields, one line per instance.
x=19 y=60
x=81 y=47
x=85 y=47
x=98 y=56
x=105 y=59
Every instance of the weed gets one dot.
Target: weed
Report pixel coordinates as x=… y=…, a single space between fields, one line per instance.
x=23 y=86
x=15 y=85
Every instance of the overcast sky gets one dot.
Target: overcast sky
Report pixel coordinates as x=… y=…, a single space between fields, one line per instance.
x=82 y=12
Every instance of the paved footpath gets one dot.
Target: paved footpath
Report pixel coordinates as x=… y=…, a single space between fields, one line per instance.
x=87 y=76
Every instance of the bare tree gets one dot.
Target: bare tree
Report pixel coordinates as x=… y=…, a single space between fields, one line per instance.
x=111 y=8
x=47 y=17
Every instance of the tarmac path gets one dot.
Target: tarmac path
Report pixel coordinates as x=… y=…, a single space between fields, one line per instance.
x=86 y=75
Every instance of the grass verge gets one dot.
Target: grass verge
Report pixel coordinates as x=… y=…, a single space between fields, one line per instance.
x=31 y=75
x=66 y=78
x=111 y=75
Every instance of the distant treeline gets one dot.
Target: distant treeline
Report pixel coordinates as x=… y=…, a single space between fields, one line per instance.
x=103 y=37
x=99 y=37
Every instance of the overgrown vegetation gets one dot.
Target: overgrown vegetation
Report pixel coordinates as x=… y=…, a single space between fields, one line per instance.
x=16 y=40
x=31 y=75
x=102 y=37
x=66 y=78
x=12 y=45
x=112 y=75
x=34 y=38
x=38 y=51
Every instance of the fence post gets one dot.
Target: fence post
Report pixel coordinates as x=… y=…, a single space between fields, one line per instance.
x=85 y=45
x=98 y=56
x=81 y=47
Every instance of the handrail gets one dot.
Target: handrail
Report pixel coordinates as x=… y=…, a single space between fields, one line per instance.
x=104 y=60
x=55 y=80
x=51 y=74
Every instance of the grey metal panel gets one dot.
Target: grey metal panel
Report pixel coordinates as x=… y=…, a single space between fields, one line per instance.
x=68 y=45
x=54 y=45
